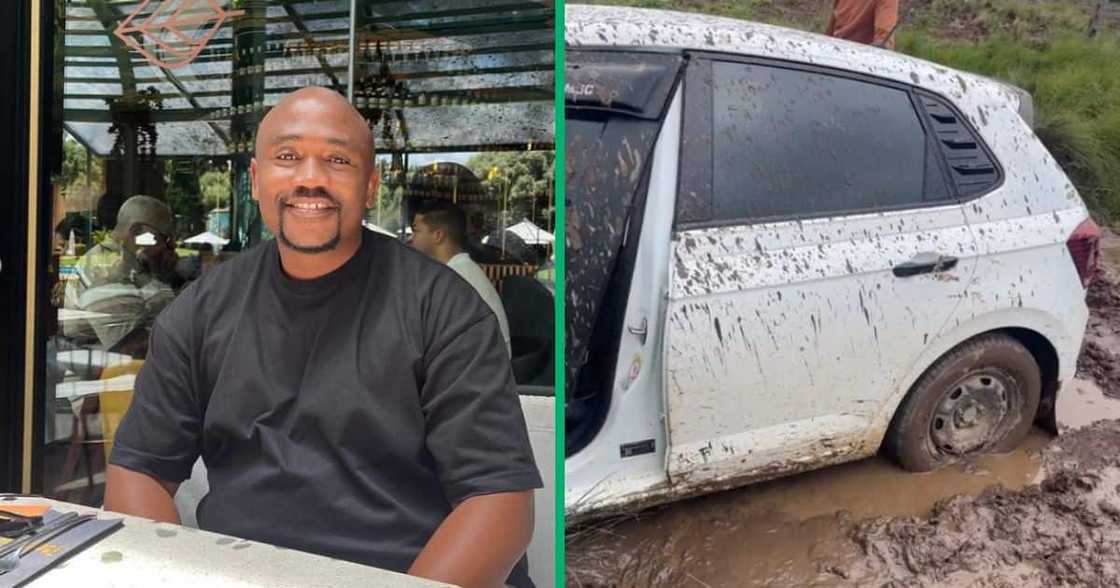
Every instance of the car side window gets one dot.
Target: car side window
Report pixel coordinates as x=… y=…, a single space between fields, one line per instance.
x=789 y=143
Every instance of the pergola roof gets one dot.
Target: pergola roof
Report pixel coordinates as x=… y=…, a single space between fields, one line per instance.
x=472 y=77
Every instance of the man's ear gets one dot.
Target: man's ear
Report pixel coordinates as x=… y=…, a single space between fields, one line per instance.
x=253 y=179
x=371 y=189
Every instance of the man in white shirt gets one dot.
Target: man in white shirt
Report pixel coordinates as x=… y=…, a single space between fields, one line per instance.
x=439 y=229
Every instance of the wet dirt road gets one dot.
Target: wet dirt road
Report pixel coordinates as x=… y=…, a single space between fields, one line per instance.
x=871 y=524
x=776 y=533
x=1046 y=514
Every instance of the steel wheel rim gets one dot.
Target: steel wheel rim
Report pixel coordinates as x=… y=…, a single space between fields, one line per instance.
x=972 y=413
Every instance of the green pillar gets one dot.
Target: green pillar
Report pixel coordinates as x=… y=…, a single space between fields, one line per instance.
x=250 y=44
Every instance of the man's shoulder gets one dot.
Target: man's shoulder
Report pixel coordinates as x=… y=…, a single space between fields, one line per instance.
x=100 y=256
x=423 y=276
x=473 y=273
x=233 y=272
x=406 y=262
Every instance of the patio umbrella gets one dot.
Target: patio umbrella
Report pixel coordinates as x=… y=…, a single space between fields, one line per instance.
x=531 y=234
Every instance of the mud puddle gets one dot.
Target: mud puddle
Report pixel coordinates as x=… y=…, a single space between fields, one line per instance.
x=788 y=532
x=1083 y=403
x=1062 y=532
x=1047 y=514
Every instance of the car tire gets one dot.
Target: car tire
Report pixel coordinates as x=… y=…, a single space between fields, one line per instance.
x=981 y=397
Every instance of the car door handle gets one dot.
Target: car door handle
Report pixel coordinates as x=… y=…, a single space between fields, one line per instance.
x=639 y=331
x=925 y=263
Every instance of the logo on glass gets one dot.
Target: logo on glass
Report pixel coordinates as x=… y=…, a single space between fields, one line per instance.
x=173 y=33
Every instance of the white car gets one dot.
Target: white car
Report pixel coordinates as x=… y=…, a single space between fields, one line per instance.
x=787 y=251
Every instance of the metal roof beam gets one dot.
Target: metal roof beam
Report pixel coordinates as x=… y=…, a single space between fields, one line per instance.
x=279 y=53
x=526 y=93
x=419 y=75
x=505 y=24
x=120 y=51
x=297 y=22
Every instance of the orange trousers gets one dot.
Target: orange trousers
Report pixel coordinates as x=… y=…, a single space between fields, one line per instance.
x=864 y=21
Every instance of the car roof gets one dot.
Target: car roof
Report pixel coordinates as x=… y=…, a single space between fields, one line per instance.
x=612 y=26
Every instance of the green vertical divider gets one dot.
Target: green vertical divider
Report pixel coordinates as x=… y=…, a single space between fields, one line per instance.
x=561 y=271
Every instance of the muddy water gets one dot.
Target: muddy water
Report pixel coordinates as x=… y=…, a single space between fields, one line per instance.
x=813 y=529
x=789 y=532
x=1064 y=531
x=1083 y=403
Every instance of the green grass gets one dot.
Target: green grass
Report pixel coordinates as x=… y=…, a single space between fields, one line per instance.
x=1076 y=96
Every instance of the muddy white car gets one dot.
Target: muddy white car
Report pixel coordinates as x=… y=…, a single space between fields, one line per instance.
x=787 y=251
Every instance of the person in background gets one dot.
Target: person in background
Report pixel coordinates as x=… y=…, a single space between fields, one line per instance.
x=439 y=230
x=456 y=183
x=872 y=22
x=127 y=278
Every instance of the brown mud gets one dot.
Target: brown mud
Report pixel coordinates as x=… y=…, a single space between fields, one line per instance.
x=1064 y=531
x=792 y=531
x=1046 y=514
x=1100 y=354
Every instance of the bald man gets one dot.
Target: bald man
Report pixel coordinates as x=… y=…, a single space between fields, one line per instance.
x=349 y=396
x=128 y=277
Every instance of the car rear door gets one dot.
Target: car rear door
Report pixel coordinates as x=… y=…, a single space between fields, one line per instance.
x=817 y=248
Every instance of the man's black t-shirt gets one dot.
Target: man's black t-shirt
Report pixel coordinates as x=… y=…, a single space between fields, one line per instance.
x=343 y=415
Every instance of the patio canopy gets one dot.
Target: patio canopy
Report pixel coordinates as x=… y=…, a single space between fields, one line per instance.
x=531 y=234
x=464 y=76
x=206 y=238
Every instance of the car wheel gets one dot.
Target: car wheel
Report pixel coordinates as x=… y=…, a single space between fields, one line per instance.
x=979 y=398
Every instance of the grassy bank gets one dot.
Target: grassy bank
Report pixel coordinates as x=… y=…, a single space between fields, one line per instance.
x=1076 y=91
x=1042 y=47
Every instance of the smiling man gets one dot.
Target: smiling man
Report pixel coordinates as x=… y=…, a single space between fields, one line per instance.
x=349 y=396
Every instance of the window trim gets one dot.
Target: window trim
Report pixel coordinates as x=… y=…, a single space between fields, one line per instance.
x=1001 y=177
x=697 y=59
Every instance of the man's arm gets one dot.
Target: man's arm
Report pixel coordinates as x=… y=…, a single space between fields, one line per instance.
x=140 y=495
x=478 y=544
x=477 y=435
x=160 y=436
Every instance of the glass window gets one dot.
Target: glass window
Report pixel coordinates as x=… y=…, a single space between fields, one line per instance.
x=790 y=143
x=614 y=104
x=156 y=122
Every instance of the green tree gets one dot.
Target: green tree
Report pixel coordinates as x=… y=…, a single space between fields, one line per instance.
x=523 y=180
x=215 y=189
x=74 y=164
x=183 y=196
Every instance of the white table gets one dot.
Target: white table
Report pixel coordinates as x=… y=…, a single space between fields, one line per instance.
x=143 y=553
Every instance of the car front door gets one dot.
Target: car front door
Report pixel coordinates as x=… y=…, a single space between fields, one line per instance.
x=817 y=249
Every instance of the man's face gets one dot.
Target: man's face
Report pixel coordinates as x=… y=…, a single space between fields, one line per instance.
x=313 y=173
x=425 y=238
x=154 y=248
